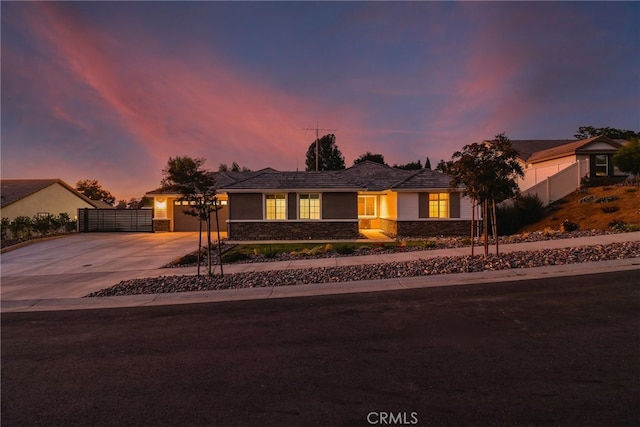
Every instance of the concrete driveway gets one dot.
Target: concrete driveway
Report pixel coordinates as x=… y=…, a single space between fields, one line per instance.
x=73 y=266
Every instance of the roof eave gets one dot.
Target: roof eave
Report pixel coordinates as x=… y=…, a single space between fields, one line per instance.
x=292 y=190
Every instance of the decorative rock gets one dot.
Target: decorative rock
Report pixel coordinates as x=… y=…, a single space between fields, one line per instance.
x=421 y=267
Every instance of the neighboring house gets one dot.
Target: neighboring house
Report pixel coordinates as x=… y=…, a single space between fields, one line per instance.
x=32 y=197
x=274 y=205
x=554 y=168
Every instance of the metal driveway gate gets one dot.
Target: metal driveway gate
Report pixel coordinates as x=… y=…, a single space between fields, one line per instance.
x=92 y=220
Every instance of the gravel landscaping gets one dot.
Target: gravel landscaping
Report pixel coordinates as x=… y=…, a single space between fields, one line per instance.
x=401 y=245
x=423 y=267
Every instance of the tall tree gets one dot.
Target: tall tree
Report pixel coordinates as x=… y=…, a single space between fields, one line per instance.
x=92 y=189
x=329 y=156
x=488 y=172
x=235 y=167
x=585 y=132
x=139 y=203
x=410 y=166
x=187 y=177
x=627 y=159
x=377 y=158
x=427 y=164
x=442 y=166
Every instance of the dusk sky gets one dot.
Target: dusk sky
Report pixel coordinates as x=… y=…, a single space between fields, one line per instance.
x=111 y=90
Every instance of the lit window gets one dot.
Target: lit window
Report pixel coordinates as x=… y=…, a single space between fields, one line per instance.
x=309 y=206
x=160 y=208
x=438 y=205
x=276 y=205
x=602 y=165
x=366 y=206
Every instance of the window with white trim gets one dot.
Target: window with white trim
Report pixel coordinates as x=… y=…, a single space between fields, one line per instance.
x=367 y=207
x=275 y=206
x=602 y=165
x=438 y=205
x=309 y=205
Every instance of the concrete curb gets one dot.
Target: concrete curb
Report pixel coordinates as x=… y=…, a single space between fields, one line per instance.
x=319 y=289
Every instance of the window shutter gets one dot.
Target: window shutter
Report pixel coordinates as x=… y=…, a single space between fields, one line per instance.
x=423 y=205
x=292 y=206
x=454 y=205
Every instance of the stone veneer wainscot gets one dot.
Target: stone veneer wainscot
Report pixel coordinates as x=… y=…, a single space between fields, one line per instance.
x=293 y=230
x=430 y=228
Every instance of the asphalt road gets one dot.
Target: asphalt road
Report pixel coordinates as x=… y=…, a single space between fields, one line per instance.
x=562 y=351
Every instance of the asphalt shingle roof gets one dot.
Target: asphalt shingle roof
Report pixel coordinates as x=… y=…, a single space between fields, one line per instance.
x=568 y=149
x=374 y=176
x=526 y=147
x=367 y=175
x=536 y=150
x=424 y=178
x=274 y=180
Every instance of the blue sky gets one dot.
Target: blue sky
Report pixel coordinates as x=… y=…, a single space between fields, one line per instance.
x=111 y=90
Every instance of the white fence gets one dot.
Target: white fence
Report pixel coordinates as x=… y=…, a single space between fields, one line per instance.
x=533 y=176
x=560 y=184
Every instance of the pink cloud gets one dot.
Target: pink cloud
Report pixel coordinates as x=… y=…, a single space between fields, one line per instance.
x=172 y=107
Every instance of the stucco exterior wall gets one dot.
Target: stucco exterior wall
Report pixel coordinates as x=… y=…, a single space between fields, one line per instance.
x=389 y=205
x=465 y=207
x=54 y=199
x=408 y=206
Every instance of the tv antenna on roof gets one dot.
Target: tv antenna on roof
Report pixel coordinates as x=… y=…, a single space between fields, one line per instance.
x=317 y=129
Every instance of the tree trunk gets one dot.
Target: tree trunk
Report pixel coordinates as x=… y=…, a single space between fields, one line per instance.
x=495 y=226
x=209 y=239
x=199 y=243
x=473 y=222
x=485 y=224
x=219 y=246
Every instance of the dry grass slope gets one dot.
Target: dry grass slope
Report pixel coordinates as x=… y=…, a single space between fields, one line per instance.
x=590 y=215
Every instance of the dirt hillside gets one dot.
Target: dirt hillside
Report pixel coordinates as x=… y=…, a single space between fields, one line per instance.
x=593 y=208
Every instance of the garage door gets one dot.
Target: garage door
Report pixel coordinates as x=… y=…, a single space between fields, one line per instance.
x=185 y=222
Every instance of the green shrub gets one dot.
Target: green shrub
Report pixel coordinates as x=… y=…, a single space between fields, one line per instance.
x=601 y=181
x=6 y=222
x=569 y=226
x=617 y=225
x=606 y=199
x=630 y=228
x=523 y=211
x=609 y=209
x=587 y=199
x=269 y=252
x=21 y=227
x=42 y=224
x=66 y=222
x=345 y=250
x=188 y=259
x=231 y=257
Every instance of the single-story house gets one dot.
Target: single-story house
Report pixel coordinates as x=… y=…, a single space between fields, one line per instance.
x=33 y=197
x=592 y=157
x=272 y=205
